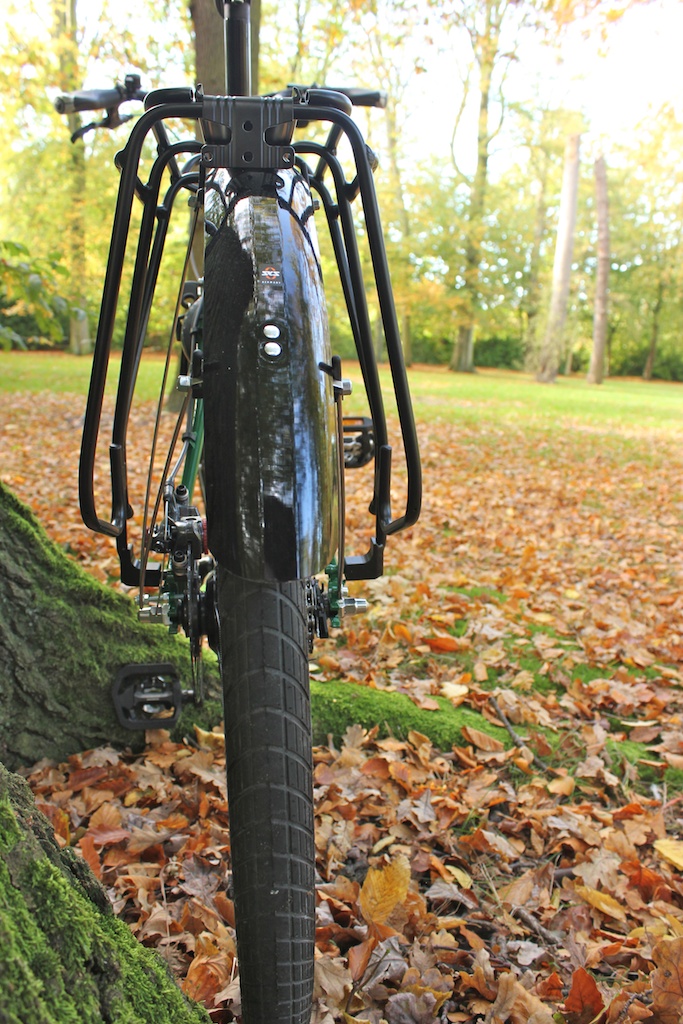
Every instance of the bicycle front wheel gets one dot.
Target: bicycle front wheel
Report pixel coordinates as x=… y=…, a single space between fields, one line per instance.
x=264 y=654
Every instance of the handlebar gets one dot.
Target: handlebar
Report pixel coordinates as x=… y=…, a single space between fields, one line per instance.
x=362 y=97
x=111 y=99
x=90 y=99
x=101 y=99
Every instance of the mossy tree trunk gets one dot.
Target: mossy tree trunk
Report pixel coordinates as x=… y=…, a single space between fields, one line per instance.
x=64 y=957
x=63 y=637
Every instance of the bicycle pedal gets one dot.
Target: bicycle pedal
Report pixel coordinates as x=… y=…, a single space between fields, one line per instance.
x=147 y=696
x=359 y=441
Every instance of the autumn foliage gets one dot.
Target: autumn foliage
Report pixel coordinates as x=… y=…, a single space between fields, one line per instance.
x=531 y=873
x=444 y=890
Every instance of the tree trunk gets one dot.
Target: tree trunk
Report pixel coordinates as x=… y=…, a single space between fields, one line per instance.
x=63 y=637
x=462 y=357
x=70 y=78
x=552 y=344
x=64 y=957
x=209 y=48
x=531 y=302
x=654 y=332
x=209 y=51
x=393 y=136
x=596 y=371
x=486 y=48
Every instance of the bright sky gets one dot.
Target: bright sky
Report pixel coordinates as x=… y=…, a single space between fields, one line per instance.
x=639 y=69
x=616 y=82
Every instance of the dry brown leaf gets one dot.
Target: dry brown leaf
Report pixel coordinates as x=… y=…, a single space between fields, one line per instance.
x=584 y=1001
x=562 y=785
x=359 y=957
x=483 y=977
x=515 y=1004
x=332 y=980
x=482 y=740
x=445 y=643
x=667 y=980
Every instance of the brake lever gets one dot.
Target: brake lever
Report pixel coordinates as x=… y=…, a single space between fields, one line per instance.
x=112 y=120
x=84 y=129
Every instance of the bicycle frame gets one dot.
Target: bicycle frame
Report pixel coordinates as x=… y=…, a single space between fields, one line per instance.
x=266 y=438
x=270 y=115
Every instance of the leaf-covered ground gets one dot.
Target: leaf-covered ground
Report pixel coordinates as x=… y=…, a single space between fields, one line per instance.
x=494 y=881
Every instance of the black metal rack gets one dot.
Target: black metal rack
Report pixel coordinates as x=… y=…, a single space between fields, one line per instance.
x=184 y=104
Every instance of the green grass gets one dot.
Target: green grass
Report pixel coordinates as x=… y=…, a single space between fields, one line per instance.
x=60 y=372
x=628 y=405
x=516 y=398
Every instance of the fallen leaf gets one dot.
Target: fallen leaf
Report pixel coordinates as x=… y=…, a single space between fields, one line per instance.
x=384 y=889
x=332 y=979
x=671 y=850
x=481 y=739
x=584 y=1001
x=602 y=901
x=667 y=980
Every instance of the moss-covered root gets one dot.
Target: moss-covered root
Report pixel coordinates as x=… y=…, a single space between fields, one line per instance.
x=63 y=637
x=64 y=957
x=336 y=705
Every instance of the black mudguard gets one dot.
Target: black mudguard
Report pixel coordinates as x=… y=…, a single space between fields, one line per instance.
x=270 y=435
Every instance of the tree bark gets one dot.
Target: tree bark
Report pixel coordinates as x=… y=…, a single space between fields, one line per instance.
x=63 y=955
x=404 y=217
x=654 y=332
x=70 y=78
x=462 y=357
x=552 y=344
x=209 y=49
x=596 y=371
x=208 y=42
x=63 y=637
x=486 y=45
x=531 y=302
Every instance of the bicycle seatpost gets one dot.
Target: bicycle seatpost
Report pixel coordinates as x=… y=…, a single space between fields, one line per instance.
x=237 y=38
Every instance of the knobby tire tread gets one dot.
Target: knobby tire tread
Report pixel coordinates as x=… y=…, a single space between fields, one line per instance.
x=264 y=646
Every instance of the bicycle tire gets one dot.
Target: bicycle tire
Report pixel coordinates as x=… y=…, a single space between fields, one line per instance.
x=264 y=656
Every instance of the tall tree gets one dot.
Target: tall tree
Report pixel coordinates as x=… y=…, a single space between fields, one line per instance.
x=482 y=22
x=542 y=132
x=209 y=51
x=646 y=214
x=656 y=310
x=386 y=54
x=596 y=371
x=551 y=350
x=70 y=77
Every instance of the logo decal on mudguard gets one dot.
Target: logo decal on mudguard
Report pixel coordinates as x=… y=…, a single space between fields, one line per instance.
x=270 y=274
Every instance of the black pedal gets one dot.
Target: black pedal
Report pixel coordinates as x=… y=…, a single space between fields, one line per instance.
x=359 y=441
x=147 y=696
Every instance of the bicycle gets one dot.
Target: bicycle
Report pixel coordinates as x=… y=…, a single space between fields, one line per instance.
x=262 y=434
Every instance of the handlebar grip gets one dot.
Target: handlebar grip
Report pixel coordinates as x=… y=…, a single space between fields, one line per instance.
x=89 y=99
x=364 y=97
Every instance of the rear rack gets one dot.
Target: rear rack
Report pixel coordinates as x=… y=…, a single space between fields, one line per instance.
x=182 y=104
